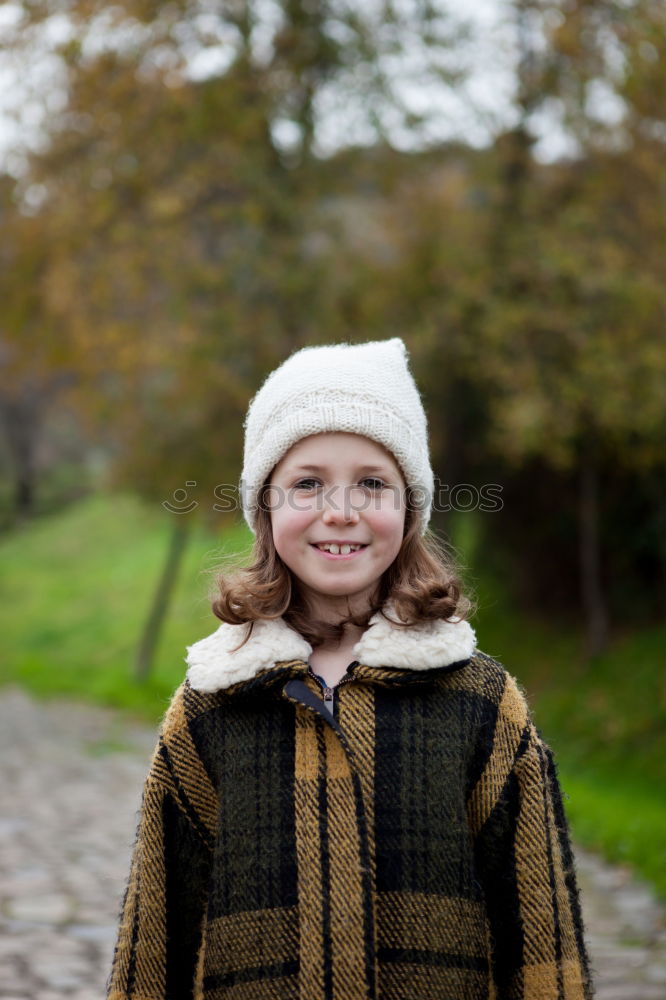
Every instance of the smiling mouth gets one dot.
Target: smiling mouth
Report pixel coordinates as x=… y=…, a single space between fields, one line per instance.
x=344 y=549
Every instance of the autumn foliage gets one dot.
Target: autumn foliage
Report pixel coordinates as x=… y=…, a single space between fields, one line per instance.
x=176 y=234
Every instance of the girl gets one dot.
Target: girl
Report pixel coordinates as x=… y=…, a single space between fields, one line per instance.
x=347 y=801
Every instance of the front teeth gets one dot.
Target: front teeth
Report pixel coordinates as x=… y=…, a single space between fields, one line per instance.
x=342 y=550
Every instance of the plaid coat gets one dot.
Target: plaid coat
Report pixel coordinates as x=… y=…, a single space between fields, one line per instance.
x=410 y=846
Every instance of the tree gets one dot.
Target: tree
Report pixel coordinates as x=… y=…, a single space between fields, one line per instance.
x=576 y=314
x=37 y=359
x=195 y=248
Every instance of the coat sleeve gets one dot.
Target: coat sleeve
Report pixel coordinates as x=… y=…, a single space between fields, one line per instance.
x=163 y=908
x=525 y=863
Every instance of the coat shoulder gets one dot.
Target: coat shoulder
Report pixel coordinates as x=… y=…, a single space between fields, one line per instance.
x=488 y=678
x=186 y=705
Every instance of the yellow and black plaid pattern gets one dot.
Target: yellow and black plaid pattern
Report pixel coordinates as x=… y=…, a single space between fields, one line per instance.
x=333 y=896
x=413 y=847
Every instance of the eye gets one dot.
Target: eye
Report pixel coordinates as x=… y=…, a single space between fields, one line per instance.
x=373 y=483
x=306 y=484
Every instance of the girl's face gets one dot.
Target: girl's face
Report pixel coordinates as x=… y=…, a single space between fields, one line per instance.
x=337 y=511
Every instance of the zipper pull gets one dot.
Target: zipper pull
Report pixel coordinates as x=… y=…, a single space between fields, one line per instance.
x=329 y=695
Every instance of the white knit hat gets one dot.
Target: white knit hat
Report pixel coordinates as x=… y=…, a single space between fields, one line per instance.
x=359 y=388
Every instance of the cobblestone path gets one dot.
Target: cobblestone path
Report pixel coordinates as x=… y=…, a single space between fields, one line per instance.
x=70 y=782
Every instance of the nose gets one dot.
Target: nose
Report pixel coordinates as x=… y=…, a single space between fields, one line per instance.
x=338 y=508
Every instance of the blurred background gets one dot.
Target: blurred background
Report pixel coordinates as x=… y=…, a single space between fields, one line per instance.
x=191 y=190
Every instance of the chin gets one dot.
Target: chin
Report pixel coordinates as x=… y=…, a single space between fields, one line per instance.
x=339 y=594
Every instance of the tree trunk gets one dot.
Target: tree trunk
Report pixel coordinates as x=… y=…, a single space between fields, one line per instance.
x=24 y=492
x=154 y=622
x=21 y=419
x=23 y=410
x=594 y=604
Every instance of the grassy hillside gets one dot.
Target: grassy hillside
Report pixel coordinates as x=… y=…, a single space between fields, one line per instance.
x=74 y=593
x=76 y=586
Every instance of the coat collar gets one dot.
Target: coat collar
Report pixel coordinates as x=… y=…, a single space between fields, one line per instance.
x=214 y=663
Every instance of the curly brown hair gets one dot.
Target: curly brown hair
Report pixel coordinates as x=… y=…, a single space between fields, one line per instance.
x=422 y=582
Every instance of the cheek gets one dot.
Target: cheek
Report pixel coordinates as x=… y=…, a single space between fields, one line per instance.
x=279 y=534
x=288 y=528
x=390 y=527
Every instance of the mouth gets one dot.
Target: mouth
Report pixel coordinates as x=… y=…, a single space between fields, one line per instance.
x=342 y=550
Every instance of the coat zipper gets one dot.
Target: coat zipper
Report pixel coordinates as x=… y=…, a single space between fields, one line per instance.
x=328 y=693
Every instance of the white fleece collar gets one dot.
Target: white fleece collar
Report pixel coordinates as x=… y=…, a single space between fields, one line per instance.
x=214 y=663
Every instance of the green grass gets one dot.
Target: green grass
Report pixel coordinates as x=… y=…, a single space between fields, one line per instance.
x=74 y=593
x=76 y=587
x=623 y=819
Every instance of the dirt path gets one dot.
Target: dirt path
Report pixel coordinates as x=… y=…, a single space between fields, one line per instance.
x=70 y=782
